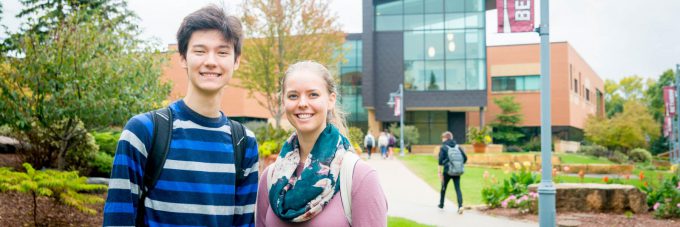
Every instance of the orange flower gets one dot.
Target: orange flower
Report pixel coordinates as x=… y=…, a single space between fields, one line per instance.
x=581 y=174
x=642 y=175
x=606 y=179
x=646 y=185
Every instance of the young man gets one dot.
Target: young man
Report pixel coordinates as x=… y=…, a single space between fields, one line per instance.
x=449 y=143
x=197 y=184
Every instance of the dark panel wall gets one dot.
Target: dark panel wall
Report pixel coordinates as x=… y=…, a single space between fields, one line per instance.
x=389 y=71
x=367 y=51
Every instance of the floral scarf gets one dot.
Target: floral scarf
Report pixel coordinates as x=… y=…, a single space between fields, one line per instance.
x=299 y=198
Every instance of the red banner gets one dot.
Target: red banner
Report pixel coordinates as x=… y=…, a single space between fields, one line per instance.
x=397 y=106
x=669 y=100
x=515 y=15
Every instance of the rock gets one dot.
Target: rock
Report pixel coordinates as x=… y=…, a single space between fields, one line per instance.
x=568 y=223
x=614 y=198
x=98 y=180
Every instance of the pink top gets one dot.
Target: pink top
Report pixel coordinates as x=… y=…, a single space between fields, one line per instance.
x=369 y=205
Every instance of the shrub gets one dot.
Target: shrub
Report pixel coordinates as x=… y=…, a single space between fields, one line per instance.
x=618 y=157
x=107 y=141
x=665 y=198
x=640 y=155
x=64 y=187
x=49 y=149
x=526 y=203
x=534 y=144
x=101 y=165
x=255 y=125
x=269 y=147
x=594 y=150
x=513 y=148
x=411 y=134
x=356 y=136
x=268 y=133
x=517 y=185
x=5 y=130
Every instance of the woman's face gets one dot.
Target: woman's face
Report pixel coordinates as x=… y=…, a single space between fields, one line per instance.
x=307 y=102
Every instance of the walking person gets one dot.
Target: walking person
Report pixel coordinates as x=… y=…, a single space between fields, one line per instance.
x=391 y=144
x=310 y=184
x=199 y=178
x=369 y=143
x=383 y=141
x=452 y=158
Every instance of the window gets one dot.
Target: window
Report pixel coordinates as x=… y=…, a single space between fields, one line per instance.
x=587 y=94
x=576 y=86
x=515 y=83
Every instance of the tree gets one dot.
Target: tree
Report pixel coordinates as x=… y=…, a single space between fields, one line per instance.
x=282 y=32
x=88 y=70
x=654 y=98
x=433 y=82
x=42 y=16
x=411 y=134
x=505 y=126
x=64 y=187
x=632 y=128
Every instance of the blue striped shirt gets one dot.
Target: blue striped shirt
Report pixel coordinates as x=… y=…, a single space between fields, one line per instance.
x=197 y=186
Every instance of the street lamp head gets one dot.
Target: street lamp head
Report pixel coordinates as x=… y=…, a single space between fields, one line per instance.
x=391 y=101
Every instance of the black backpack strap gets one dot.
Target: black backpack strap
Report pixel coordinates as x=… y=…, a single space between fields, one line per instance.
x=238 y=137
x=155 y=159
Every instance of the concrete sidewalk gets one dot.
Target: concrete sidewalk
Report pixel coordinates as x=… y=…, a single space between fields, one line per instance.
x=410 y=197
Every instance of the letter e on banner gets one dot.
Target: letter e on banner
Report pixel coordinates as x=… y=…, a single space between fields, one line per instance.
x=515 y=15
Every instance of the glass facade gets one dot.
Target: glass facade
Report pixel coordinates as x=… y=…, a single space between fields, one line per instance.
x=444 y=42
x=430 y=125
x=350 y=85
x=516 y=83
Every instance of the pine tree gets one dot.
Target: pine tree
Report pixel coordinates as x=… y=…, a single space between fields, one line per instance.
x=64 y=187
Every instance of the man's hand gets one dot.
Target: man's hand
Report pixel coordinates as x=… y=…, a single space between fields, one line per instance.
x=441 y=177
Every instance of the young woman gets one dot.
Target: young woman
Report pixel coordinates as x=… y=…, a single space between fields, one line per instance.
x=302 y=188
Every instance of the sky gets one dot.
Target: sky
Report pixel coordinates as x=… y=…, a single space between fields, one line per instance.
x=616 y=38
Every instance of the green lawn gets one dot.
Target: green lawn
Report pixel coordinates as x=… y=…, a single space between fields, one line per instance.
x=399 y=222
x=425 y=167
x=582 y=159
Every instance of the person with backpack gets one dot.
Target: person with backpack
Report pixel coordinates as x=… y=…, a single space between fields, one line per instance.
x=189 y=164
x=452 y=158
x=369 y=143
x=383 y=141
x=317 y=179
x=391 y=144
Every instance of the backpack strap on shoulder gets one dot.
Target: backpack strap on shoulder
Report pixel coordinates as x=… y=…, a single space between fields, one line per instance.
x=155 y=159
x=238 y=135
x=349 y=161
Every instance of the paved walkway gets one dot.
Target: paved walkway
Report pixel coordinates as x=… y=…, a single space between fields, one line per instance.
x=410 y=197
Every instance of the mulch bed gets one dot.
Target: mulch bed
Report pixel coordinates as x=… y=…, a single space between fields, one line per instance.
x=591 y=219
x=16 y=209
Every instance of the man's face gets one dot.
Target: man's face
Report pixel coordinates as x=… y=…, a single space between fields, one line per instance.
x=210 y=61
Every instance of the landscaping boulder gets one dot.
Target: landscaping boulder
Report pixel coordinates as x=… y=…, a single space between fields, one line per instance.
x=606 y=198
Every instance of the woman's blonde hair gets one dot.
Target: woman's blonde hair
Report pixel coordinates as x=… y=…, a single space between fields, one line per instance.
x=335 y=116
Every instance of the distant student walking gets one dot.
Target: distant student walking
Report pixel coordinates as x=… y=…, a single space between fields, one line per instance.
x=383 y=141
x=452 y=158
x=369 y=143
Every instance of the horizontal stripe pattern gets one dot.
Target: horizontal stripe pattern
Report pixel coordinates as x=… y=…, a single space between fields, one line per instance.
x=196 y=186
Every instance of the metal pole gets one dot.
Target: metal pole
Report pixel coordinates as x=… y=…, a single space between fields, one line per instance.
x=401 y=119
x=546 y=189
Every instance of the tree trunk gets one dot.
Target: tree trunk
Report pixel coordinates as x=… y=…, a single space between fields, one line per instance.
x=35 y=210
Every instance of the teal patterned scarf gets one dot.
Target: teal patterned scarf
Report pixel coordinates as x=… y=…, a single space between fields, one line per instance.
x=299 y=198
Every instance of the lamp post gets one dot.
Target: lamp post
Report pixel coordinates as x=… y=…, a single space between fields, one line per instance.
x=399 y=94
